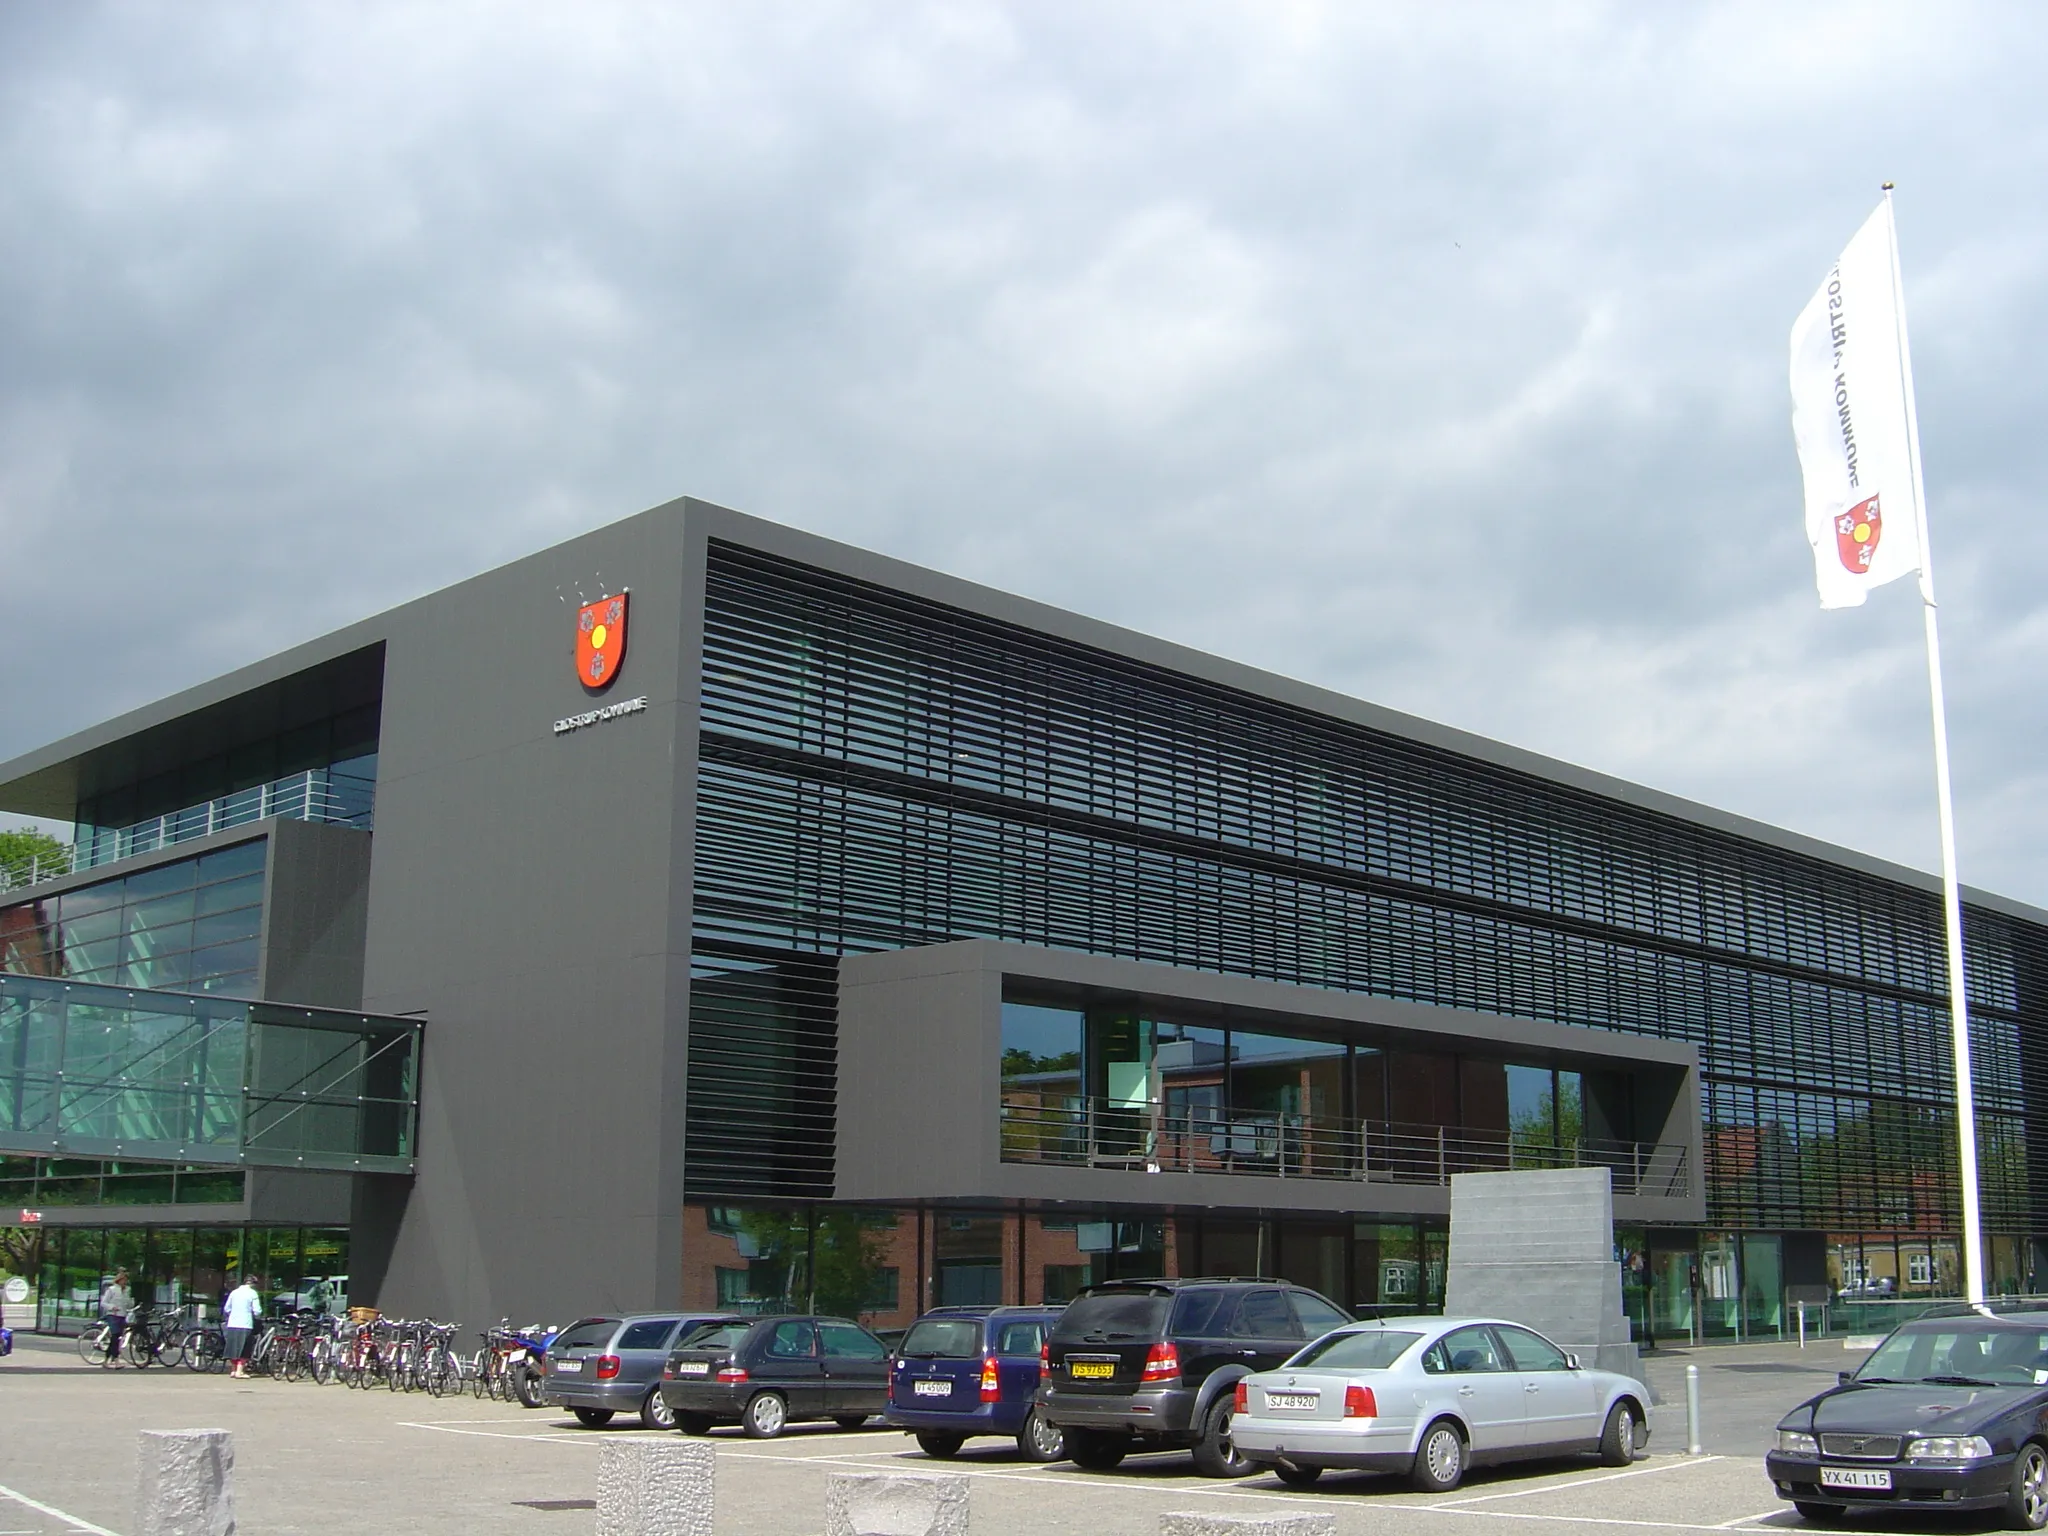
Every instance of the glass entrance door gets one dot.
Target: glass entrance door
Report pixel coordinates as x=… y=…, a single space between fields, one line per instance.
x=1763 y=1285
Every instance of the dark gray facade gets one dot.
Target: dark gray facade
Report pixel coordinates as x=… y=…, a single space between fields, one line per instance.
x=533 y=889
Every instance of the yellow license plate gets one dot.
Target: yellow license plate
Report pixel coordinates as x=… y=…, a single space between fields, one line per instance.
x=1090 y=1370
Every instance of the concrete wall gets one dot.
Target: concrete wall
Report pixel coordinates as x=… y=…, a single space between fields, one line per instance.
x=524 y=893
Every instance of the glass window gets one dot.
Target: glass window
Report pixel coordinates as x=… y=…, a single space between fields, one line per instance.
x=1265 y=1314
x=1472 y=1349
x=716 y=1336
x=1532 y=1107
x=1113 y=1314
x=843 y=1341
x=1202 y=1313
x=1372 y=1349
x=1530 y=1351
x=1317 y=1316
x=1020 y=1339
x=647 y=1335
x=586 y=1334
x=792 y=1341
x=944 y=1338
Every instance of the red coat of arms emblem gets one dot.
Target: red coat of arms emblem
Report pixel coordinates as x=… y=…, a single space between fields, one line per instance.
x=1856 y=534
x=600 y=640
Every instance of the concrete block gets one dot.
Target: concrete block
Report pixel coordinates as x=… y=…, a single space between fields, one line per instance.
x=1247 y=1525
x=185 y=1483
x=895 y=1504
x=654 y=1487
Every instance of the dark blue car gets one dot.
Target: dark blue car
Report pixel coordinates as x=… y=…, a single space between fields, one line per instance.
x=964 y=1371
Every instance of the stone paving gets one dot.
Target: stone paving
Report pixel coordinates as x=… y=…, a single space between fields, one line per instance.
x=325 y=1459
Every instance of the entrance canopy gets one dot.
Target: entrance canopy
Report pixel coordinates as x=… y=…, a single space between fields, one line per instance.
x=98 y=1071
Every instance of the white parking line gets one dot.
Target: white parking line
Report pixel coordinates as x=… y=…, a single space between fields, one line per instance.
x=487 y=1434
x=55 y=1513
x=1584 y=1482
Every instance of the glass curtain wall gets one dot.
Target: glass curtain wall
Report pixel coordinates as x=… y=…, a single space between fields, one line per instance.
x=1120 y=1086
x=173 y=1266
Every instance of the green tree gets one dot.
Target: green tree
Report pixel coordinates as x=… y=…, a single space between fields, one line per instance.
x=27 y=853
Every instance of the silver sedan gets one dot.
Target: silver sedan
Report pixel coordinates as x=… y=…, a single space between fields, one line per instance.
x=1431 y=1396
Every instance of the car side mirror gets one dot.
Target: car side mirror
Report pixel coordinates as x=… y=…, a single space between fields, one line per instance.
x=1843 y=1378
x=1571 y=1361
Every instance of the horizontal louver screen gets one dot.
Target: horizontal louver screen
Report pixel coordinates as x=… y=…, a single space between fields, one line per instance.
x=878 y=771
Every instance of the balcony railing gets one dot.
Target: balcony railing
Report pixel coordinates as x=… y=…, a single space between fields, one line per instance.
x=308 y=796
x=1080 y=1132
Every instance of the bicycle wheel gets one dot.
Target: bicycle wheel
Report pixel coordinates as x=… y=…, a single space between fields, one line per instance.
x=323 y=1361
x=171 y=1352
x=92 y=1345
x=291 y=1363
x=480 y=1374
x=139 y=1347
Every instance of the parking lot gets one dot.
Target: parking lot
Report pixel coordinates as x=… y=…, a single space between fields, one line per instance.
x=325 y=1459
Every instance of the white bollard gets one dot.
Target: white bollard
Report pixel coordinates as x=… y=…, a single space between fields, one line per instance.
x=1247 y=1525
x=1692 y=1410
x=895 y=1504
x=648 y=1487
x=185 y=1483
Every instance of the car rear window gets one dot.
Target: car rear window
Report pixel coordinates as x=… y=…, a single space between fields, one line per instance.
x=586 y=1334
x=944 y=1338
x=1113 y=1315
x=714 y=1336
x=1371 y=1351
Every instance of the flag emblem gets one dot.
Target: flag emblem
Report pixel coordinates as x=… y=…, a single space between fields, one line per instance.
x=1856 y=534
x=600 y=640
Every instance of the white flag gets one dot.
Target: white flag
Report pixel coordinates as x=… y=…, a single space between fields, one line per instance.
x=1852 y=420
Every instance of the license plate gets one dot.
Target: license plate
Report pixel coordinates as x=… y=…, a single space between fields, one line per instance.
x=515 y=1357
x=568 y=1367
x=1296 y=1400
x=1855 y=1477
x=694 y=1368
x=933 y=1389
x=1091 y=1370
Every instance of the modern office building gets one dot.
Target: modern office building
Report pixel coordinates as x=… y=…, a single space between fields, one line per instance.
x=702 y=911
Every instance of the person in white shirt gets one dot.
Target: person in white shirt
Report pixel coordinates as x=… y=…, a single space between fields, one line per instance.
x=115 y=1305
x=238 y=1324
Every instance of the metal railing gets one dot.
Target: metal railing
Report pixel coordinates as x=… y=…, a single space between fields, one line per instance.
x=308 y=796
x=1072 y=1131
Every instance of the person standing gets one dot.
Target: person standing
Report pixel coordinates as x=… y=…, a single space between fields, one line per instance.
x=115 y=1305
x=238 y=1324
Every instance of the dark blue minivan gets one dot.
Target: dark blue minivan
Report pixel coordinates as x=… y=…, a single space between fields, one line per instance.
x=964 y=1371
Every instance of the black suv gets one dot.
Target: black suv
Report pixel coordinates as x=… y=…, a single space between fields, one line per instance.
x=1149 y=1365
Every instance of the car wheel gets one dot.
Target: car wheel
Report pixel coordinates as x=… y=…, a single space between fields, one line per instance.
x=655 y=1413
x=1818 y=1514
x=592 y=1418
x=1439 y=1460
x=693 y=1423
x=1040 y=1441
x=1297 y=1477
x=935 y=1442
x=1093 y=1451
x=2026 y=1503
x=1618 y=1438
x=849 y=1420
x=766 y=1417
x=1215 y=1453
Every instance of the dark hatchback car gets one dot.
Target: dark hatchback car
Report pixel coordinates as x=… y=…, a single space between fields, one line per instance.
x=1948 y=1413
x=768 y=1372
x=966 y=1371
x=601 y=1366
x=1146 y=1365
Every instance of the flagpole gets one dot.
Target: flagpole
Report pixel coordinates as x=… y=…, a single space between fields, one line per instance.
x=1951 y=886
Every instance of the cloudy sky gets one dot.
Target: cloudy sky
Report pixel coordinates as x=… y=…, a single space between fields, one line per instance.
x=1432 y=353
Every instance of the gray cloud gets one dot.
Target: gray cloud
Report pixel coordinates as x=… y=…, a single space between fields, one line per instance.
x=1432 y=354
